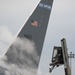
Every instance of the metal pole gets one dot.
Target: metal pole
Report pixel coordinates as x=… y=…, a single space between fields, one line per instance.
x=65 y=57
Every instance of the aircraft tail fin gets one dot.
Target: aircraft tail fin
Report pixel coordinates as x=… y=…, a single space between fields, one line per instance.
x=36 y=25
x=23 y=56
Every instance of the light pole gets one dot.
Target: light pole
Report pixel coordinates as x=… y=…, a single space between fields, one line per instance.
x=71 y=56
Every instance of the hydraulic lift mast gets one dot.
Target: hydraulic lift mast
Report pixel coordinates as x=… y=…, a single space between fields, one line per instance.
x=60 y=57
x=67 y=68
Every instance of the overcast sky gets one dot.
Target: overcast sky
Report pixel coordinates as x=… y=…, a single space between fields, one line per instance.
x=14 y=13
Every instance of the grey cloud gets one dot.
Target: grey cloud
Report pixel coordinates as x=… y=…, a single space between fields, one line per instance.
x=21 y=58
x=6 y=38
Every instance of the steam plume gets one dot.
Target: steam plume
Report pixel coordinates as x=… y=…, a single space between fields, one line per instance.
x=21 y=58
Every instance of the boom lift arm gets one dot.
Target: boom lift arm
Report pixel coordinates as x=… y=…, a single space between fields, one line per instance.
x=60 y=57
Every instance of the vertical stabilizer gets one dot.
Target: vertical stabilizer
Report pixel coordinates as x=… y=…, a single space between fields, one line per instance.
x=23 y=56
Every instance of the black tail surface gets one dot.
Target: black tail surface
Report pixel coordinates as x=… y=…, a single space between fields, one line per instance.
x=23 y=56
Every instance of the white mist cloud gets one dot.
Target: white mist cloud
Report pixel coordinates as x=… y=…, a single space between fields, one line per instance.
x=6 y=38
x=21 y=58
x=39 y=72
x=5 y=34
x=25 y=44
